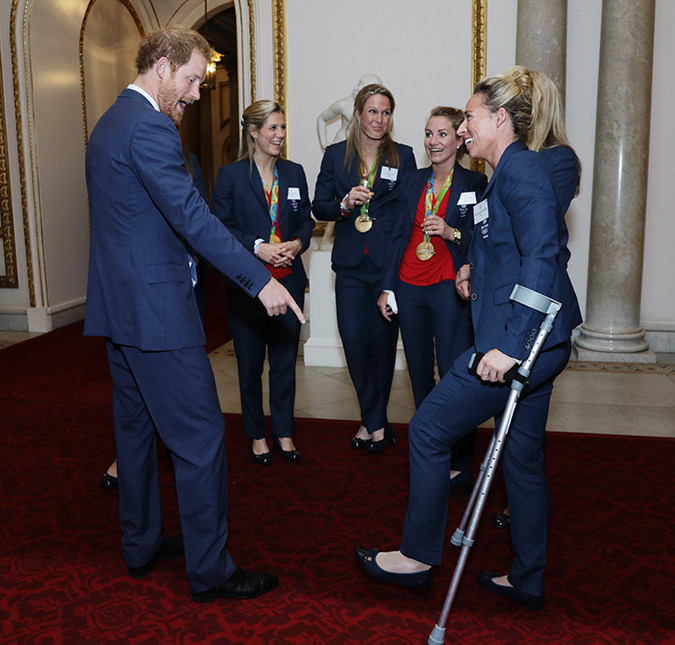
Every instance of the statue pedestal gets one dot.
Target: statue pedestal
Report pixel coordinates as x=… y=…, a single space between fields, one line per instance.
x=324 y=347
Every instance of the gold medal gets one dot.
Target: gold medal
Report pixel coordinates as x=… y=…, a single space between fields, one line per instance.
x=275 y=239
x=425 y=250
x=363 y=223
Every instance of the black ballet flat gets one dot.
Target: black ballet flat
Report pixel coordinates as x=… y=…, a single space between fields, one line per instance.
x=417 y=582
x=109 y=482
x=265 y=459
x=486 y=580
x=286 y=455
x=379 y=446
x=463 y=480
x=501 y=521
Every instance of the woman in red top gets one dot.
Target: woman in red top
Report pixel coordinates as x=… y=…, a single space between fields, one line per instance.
x=430 y=242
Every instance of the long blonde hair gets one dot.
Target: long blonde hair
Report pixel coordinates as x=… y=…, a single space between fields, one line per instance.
x=254 y=118
x=387 y=147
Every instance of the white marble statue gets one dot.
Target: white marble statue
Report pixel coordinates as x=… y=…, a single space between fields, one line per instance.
x=344 y=108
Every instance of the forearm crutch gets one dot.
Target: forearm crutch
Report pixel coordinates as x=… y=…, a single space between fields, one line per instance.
x=518 y=376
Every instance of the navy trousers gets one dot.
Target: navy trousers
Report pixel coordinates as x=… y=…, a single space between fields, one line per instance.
x=435 y=316
x=368 y=340
x=174 y=393
x=459 y=403
x=254 y=333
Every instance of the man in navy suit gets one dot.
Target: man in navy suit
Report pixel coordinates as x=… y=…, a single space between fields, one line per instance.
x=145 y=215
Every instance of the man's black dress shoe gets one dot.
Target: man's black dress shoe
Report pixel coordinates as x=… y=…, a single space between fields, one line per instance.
x=418 y=582
x=170 y=550
x=486 y=580
x=501 y=521
x=109 y=482
x=265 y=459
x=240 y=585
x=379 y=446
x=286 y=455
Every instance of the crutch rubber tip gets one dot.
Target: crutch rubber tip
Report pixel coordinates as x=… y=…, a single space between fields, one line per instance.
x=437 y=636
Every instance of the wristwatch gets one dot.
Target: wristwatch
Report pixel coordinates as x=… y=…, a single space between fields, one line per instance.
x=456 y=236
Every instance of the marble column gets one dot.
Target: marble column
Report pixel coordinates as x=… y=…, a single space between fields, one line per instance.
x=541 y=42
x=611 y=331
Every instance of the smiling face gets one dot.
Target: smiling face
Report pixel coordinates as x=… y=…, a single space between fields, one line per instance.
x=479 y=130
x=441 y=140
x=374 y=117
x=179 y=89
x=271 y=135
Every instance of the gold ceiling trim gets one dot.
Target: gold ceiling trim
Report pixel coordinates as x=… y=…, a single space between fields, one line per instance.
x=16 y=84
x=478 y=56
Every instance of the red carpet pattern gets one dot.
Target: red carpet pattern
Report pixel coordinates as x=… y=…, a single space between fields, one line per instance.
x=611 y=573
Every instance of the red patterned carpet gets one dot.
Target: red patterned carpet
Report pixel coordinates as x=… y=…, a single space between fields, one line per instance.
x=62 y=579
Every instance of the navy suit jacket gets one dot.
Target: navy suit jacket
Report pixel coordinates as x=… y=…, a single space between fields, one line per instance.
x=333 y=183
x=145 y=212
x=520 y=242
x=459 y=217
x=240 y=203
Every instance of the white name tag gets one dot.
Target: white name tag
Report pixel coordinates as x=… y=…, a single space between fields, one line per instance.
x=466 y=198
x=389 y=174
x=293 y=193
x=480 y=212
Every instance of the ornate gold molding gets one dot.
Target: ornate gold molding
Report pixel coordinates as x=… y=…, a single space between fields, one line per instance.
x=10 y=280
x=130 y=8
x=280 y=66
x=478 y=56
x=251 y=47
x=16 y=84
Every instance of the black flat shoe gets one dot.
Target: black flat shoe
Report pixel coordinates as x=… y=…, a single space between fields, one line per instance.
x=265 y=459
x=286 y=455
x=170 y=550
x=418 y=582
x=379 y=446
x=240 y=585
x=109 y=482
x=486 y=580
x=501 y=521
x=463 y=480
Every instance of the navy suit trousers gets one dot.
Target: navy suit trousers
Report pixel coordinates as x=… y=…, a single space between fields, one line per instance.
x=173 y=392
x=369 y=341
x=459 y=403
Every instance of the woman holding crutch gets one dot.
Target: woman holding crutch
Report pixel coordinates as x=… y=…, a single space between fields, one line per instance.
x=517 y=240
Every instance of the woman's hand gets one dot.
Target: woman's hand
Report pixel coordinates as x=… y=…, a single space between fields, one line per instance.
x=463 y=282
x=279 y=254
x=384 y=308
x=494 y=365
x=357 y=196
x=434 y=225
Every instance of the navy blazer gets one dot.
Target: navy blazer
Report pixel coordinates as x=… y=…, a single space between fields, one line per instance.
x=519 y=243
x=239 y=202
x=145 y=212
x=459 y=217
x=333 y=183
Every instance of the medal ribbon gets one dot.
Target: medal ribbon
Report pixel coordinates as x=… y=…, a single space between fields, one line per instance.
x=370 y=181
x=432 y=205
x=273 y=200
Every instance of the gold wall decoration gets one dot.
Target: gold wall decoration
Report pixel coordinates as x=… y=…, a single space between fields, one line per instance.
x=279 y=36
x=16 y=83
x=478 y=56
x=10 y=279
x=251 y=47
x=130 y=8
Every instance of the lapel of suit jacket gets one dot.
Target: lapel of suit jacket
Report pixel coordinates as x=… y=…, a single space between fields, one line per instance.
x=515 y=147
x=257 y=186
x=283 y=189
x=455 y=190
x=418 y=188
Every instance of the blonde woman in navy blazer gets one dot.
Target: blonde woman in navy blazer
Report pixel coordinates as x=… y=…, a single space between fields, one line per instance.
x=518 y=239
x=242 y=199
x=430 y=312
x=369 y=156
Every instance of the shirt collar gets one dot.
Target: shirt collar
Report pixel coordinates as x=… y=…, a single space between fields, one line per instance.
x=140 y=90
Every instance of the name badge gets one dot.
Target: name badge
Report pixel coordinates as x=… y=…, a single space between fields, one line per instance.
x=388 y=173
x=480 y=212
x=293 y=193
x=467 y=198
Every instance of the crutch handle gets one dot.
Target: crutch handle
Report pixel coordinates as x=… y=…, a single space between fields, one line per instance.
x=512 y=375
